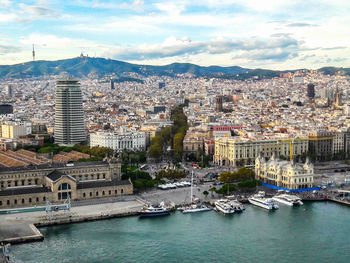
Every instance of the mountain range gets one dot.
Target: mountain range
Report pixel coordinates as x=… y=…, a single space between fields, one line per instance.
x=83 y=66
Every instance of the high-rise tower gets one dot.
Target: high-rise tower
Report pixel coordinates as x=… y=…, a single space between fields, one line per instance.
x=311 y=90
x=69 y=119
x=218 y=105
x=9 y=91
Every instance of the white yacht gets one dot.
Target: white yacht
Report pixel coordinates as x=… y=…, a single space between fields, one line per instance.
x=154 y=210
x=224 y=206
x=195 y=208
x=261 y=201
x=238 y=206
x=291 y=200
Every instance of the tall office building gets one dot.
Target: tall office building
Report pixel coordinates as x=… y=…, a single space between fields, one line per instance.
x=111 y=83
x=9 y=91
x=218 y=105
x=69 y=119
x=311 y=90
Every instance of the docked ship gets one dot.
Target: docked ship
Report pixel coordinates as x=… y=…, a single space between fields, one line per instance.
x=195 y=208
x=224 y=206
x=154 y=210
x=238 y=206
x=291 y=200
x=261 y=201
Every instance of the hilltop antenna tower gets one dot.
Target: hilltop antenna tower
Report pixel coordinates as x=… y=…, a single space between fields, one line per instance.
x=33 y=53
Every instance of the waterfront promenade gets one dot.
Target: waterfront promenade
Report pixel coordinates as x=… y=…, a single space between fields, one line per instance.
x=21 y=227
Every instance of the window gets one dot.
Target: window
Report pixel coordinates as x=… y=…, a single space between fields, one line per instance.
x=64 y=190
x=84 y=195
x=0 y=203
x=8 y=183
x=36 y=181
x=29 y=181
x=104 y=176
x=15 y=201
x=23 y=182
x=109 y=192
x=37 y=199
x=90 y=194
x=30 y=200
x=103 y=192
x=115 y=191
x=16 y=183
x=122 y=191
x=8 y=202
x=44 y=198
x=64 y=186
x=96 y=193
x=2 y=184
x=22 y=201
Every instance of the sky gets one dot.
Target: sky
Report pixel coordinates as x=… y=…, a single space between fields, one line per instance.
x=271 y=34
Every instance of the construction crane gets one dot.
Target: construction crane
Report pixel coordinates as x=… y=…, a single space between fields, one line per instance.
x=299 y=140
x=291 y=142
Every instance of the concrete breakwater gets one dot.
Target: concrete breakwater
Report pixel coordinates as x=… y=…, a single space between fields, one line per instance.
x=19 y=233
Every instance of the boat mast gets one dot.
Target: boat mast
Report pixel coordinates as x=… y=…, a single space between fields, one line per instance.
x=191 y=187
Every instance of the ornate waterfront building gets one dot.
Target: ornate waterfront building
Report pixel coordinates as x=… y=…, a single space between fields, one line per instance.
x=33 y=185
x=284 y=174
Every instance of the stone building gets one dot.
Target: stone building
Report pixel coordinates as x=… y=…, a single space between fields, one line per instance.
x=33 y=185
x=286 y=174
x=232 y=150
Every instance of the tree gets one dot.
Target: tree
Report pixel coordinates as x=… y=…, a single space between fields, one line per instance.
x=226 y=188
x=205 y=193
x=155 y=151
x=178 y=139
x=244 y=173
x=240 y=162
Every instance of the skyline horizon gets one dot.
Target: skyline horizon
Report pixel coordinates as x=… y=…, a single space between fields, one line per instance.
x=174 y=62
x=251 y=34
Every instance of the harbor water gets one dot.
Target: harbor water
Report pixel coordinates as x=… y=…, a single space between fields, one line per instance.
x=315 y=232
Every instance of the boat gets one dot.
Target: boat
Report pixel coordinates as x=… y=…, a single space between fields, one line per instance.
x=238 y=206
x=154 y=210
x=193 y=208
x=287 y=199
x=261 y=201
x=224 y=206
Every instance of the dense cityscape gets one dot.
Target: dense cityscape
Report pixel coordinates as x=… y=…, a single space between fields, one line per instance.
x=174 y=131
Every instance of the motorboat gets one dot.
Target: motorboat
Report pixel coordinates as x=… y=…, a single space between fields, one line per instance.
x=154 y=210
x=238 y=206
x=195 y=208
x=287 y=199
x=224 y=206
x=261 y=201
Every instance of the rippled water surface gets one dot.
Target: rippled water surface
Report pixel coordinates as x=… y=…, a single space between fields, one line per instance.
x=316 y=232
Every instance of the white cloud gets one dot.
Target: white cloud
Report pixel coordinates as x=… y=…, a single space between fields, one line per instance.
x=5 y=3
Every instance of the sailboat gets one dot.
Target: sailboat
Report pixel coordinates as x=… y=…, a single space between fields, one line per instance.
x=194 y=208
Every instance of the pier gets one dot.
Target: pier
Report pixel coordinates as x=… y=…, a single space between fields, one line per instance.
x=22 y=227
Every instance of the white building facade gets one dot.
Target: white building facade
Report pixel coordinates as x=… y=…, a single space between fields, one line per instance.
x=133 y=141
